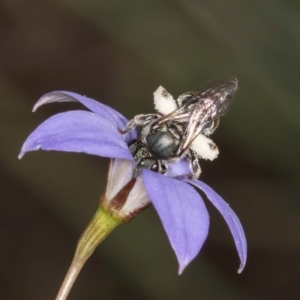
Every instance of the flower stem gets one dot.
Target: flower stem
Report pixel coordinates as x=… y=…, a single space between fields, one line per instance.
x=98 y=229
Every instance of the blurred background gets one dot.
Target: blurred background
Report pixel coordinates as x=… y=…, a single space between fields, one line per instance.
x=119 y=52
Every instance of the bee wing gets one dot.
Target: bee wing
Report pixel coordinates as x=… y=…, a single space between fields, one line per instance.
x=221 y=92
x=181 y=114
x=197 y=122
x=195 y=118
x=198 y=110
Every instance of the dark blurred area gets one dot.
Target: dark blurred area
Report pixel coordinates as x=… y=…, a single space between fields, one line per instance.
x=119 y=52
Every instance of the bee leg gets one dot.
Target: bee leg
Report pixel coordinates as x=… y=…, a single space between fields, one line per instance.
x=153 y=164
x=136 y=171
x=139 y=120
x=140 y=153
x=194 y=164
x=159 y=166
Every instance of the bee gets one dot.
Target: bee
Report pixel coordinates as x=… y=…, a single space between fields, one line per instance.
x=180 y=128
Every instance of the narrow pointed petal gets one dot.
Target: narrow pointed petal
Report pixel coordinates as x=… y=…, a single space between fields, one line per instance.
x=230 y=217
x=78 y=131
x=182 y=212
x=99 y=108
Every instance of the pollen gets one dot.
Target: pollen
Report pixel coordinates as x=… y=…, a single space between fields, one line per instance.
x=163 y=101
x=205 y=147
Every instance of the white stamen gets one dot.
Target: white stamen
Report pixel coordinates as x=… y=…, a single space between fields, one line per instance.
x=163 y=101
x=205 y=147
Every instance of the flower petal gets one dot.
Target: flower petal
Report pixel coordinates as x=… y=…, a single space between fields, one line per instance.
x=230 y=217
x=179 y=169
x=99 y=108
x=78 y=131
x=182 y=212
x=119 y=174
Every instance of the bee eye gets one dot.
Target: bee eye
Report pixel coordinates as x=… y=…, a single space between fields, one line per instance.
x=154 y=167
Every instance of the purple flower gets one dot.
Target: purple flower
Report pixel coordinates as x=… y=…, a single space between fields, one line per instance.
x=180 y=207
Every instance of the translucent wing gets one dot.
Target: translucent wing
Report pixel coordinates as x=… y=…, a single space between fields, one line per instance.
x=200 y=110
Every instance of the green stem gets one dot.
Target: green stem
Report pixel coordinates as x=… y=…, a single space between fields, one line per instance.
x=98 y=229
